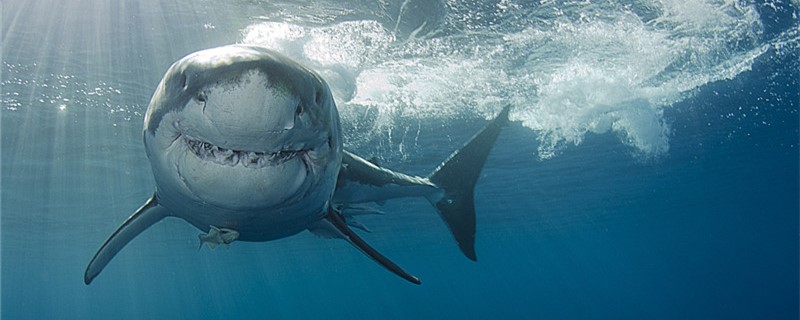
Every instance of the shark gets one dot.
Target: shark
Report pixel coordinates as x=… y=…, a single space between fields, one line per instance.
x=245 y=144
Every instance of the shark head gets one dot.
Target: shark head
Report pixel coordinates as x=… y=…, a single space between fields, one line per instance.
x=242 y=128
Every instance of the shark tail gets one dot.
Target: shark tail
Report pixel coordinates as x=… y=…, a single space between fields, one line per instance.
x=457 y=176
x=140 y=220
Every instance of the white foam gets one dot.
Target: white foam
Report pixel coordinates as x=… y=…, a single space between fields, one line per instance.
x=338 y=52
x=579 y=69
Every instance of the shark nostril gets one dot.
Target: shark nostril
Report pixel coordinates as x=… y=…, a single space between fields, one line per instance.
x=201 y=97
x=182 y=81
x=318 y=97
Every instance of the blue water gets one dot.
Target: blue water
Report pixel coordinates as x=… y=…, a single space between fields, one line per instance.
x=650 y=170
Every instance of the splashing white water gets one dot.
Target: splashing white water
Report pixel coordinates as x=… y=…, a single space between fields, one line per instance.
x=575 y=69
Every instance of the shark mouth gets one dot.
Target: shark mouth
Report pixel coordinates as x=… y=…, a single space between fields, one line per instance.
x=249 y=159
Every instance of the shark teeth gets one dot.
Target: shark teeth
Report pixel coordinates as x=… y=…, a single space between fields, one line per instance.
x=232 y=158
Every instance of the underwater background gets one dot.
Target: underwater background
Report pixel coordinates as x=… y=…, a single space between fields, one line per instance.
x=650 y=170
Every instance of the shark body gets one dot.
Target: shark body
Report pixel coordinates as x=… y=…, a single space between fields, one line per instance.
x=245 y=144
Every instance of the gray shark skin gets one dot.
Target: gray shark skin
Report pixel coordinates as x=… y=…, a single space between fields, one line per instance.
x=245 y=140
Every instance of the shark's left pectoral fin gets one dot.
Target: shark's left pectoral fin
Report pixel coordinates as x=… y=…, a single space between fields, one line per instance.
x=150 y=213
x=337 y=222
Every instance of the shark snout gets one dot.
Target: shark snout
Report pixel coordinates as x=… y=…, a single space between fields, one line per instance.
x=249 y=119
x=251 y=105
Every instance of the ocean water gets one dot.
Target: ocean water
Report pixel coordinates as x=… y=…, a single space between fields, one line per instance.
x=650 y=170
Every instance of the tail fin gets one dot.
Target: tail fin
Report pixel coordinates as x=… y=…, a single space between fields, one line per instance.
x=457 y=177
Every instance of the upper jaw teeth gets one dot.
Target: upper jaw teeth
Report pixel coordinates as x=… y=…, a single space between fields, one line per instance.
x=229 y=157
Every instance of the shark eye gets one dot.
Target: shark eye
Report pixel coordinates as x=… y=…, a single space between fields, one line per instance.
x=201 y=97
x=299 y=109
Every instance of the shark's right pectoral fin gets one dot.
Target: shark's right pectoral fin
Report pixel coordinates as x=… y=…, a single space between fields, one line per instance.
x=150 y=213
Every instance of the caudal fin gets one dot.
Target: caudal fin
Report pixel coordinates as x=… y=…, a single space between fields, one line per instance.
x=140 y=220
x=457 y=176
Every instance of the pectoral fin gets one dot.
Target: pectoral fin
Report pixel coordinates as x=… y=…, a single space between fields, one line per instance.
x=150 y=213
x=338 y=222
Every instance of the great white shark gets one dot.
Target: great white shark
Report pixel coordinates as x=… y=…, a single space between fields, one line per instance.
x=246 y=145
